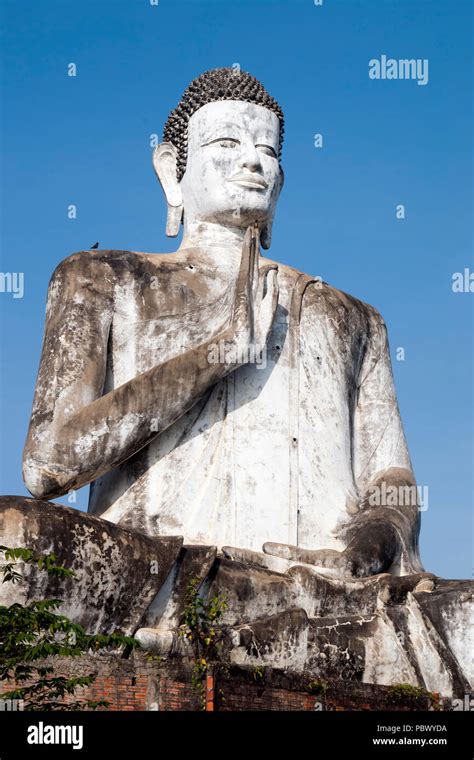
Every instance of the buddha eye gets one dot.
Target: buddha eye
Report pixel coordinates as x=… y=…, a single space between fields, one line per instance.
x=267 y=149
x=224 y=142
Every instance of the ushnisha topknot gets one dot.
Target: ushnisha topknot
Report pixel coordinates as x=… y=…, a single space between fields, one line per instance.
x=212 y=86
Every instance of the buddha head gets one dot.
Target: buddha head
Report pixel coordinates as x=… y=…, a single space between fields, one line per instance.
x=220 y=159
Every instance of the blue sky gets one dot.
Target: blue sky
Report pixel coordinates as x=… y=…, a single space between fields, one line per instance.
x=85 y=141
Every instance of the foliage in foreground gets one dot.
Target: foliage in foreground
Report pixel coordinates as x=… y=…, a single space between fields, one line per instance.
x=32 y=632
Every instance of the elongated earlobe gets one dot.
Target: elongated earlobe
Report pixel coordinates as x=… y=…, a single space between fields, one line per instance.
x=164 y=164
x=173 y=220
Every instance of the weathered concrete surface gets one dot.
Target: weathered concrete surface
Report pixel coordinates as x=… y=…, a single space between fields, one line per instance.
x=305 y=493
x=450 y=609
x=414 y=629
x=163 y=617
x=284 y=449
x=302 y=452
x=383 y=629
x=118 y=571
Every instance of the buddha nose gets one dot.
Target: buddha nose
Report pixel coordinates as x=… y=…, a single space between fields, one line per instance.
x=250 y=157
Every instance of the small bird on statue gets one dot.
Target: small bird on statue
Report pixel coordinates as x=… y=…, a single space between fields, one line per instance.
x=93 y=247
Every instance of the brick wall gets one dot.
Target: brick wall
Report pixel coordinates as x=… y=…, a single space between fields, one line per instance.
x=140 y=684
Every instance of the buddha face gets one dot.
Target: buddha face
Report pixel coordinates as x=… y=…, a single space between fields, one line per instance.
x=232 y=175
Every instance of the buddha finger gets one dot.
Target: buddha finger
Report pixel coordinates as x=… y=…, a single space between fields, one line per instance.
x=265 y=279
x=321 y=557
x=247 y=556
x=243 y=284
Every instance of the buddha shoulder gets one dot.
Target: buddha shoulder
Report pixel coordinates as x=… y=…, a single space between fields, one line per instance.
x=323 y=300
x=100 y=269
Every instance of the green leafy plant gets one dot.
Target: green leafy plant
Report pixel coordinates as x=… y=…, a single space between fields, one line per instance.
x=35 y=631
x=201 y=627
x=258 y=673
x=414 y=697
x=317 y=688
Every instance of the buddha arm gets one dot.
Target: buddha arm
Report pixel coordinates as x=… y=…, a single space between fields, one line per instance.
x=77 y=434
x=386 y=528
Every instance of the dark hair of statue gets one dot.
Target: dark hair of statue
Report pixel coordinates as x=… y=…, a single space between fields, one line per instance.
x=212 y=86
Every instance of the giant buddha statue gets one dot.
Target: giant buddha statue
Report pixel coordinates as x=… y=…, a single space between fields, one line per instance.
x=246 y=406
x=152 y=385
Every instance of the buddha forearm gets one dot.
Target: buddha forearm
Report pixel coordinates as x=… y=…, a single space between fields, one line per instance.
x=71 y=444
x=115 y=426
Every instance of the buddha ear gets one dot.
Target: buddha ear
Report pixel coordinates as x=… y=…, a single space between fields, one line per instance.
x=164 y=163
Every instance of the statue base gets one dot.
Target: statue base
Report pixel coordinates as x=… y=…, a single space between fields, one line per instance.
x=381 y=630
